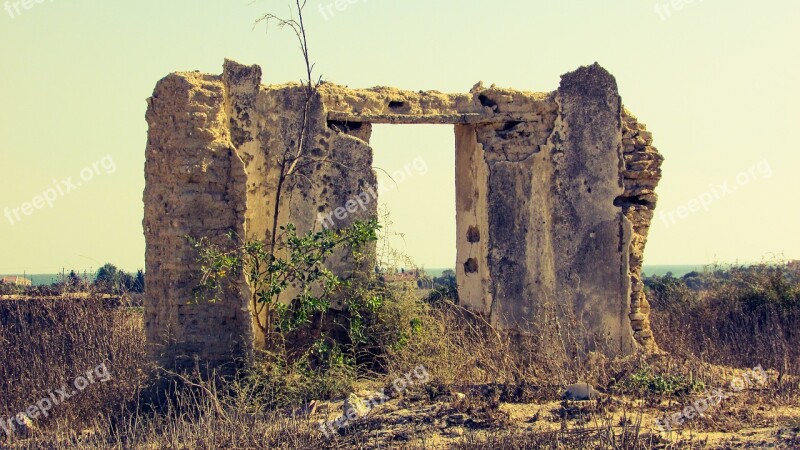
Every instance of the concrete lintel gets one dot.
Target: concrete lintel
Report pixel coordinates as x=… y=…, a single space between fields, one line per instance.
x=433 y=119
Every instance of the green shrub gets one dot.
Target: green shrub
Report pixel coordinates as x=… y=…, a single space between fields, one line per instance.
x=294 y=261
x=646 y=381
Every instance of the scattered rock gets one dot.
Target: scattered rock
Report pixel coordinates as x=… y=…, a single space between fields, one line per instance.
x=581 y=392
x=354 y=408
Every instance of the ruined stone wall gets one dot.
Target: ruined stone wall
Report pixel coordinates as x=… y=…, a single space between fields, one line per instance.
x=558 y=242
x=554 y=196
x=641 y=176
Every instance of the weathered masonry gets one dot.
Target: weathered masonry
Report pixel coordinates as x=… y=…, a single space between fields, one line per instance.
x=554 y=197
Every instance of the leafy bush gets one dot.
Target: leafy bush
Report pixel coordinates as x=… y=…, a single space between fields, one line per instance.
x=445 y=288
x=274 y=383
x=647 y=381
x=670 y=292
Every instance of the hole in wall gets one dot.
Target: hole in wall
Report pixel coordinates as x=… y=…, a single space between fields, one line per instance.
x=395 y=104
x=471 y=266
x=510 y=125
x=486 y=101
x=344 y=127
x=473 y=235
x=508 y=129
x=626 y=202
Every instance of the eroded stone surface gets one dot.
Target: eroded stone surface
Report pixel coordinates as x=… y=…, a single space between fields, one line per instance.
x=195 y=185
x=554 y=198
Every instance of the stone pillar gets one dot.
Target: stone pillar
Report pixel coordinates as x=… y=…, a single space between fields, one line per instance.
x=195 y=186
x=591 y=235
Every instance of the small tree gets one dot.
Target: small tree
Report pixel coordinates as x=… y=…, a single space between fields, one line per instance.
x=73 y=282
x=138 y=283
x=298 y=262
x=108 y=278
x=287 y=259
x=111 y=280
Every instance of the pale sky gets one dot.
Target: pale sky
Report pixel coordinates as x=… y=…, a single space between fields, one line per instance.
x=716 y=82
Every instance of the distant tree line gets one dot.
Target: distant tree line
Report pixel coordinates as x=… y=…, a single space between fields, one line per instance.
x=111 y=280
x=444 y=288
x=107 y=280
x=750 y=286
x=738 y=316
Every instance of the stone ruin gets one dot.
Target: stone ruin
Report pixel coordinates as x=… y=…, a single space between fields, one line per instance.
x=554 y=198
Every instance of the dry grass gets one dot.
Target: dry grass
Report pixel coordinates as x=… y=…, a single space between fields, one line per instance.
x=740 y=317
x=459 y=347
x=48 y=342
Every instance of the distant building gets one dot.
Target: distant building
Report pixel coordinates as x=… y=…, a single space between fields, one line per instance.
x=19 y=281
x=402 y=278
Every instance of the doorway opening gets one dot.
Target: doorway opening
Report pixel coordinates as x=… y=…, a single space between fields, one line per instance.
x=415 y=167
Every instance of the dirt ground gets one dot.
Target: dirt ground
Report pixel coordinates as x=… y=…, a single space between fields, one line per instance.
x=439 y=418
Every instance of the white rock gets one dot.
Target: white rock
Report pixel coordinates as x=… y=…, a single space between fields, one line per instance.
x=581 y=391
